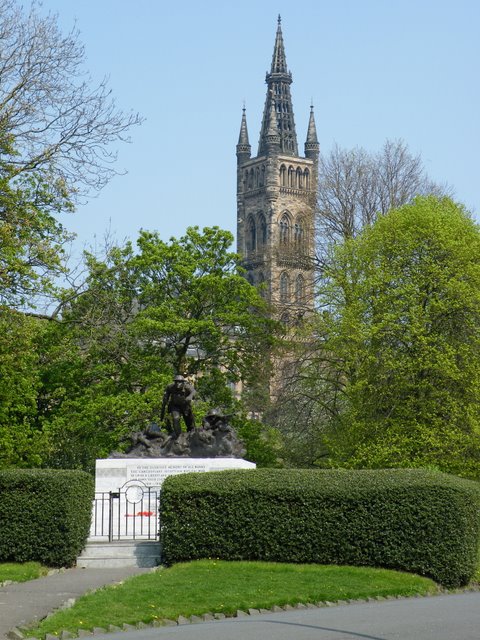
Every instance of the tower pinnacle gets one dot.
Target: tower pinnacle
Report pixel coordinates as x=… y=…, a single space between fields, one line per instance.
x=278 y=92
x=243 y=147
x=272 y=137
x=312 y=148
x=279 y=61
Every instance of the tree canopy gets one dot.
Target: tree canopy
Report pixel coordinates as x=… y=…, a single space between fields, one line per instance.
x=144 y=314
x=20 y=385
x=394 y=372
x=31 y=238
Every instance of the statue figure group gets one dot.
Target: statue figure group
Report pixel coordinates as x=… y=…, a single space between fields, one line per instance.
x=215 y=438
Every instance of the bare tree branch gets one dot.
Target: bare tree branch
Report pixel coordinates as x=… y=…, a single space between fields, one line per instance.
x=58 y=119
x=356 y=186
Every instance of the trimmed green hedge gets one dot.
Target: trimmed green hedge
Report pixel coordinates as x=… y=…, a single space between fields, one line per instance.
x=44 y=515
x=413 y=520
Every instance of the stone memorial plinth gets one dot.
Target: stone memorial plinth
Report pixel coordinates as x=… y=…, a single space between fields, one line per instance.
x=113 y=473
x=127 y=492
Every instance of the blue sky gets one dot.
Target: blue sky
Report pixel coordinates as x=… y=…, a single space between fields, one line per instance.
x=375 y=69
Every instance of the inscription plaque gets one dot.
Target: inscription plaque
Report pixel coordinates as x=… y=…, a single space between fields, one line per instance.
x=153 y=472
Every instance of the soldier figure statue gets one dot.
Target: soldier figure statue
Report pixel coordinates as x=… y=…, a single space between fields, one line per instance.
x=177 y=400
x=216 y=419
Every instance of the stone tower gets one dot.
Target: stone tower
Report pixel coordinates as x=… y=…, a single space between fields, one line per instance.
x=276 y=196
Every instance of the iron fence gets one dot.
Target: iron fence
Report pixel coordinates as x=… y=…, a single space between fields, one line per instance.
x=131 y=513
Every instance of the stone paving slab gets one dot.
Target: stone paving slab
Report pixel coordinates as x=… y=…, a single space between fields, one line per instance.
x=25 y=602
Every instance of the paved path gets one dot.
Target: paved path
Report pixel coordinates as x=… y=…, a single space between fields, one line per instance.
x=451 y=617
x=25 y=602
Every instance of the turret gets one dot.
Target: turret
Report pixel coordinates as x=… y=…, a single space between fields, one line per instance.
x=312 y=147
x=244 y=148
x=271 y=138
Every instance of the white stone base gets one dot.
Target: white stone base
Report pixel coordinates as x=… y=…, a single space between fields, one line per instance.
x=127 y=492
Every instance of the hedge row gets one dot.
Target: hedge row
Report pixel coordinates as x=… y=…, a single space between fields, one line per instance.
x=44 y=515
x=413 y=520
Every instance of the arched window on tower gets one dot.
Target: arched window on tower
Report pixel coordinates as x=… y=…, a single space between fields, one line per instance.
x=262 y=176
x=251 y=239
x=285 y=229
x=299 y=178
x=284 y=287
x=306 y=175
x=262 y=229
x=299 y=231
x=300 y=289
x=283 y=176
x=257 y=177
x=291 y=177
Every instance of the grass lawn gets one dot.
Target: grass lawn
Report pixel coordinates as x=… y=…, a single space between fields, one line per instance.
x=218 y=586
x=21 y=572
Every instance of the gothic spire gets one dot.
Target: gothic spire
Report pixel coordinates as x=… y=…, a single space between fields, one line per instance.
x=312 y=148
x=279 y=61
x=278 y=92
x=243 y=147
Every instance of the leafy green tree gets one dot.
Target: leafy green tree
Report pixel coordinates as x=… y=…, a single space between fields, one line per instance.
x=262 y=443
x=196 y=310
x=177 y=306
x=99 y=384
x=401 y=331
x=20 y=383
x=31 y=238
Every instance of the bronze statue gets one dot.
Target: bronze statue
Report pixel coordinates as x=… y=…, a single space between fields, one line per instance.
x=177 y=400
x=215 y=439
x=216 y=419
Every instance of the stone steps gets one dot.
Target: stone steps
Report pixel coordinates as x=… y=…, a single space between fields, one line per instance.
x=125 y=553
